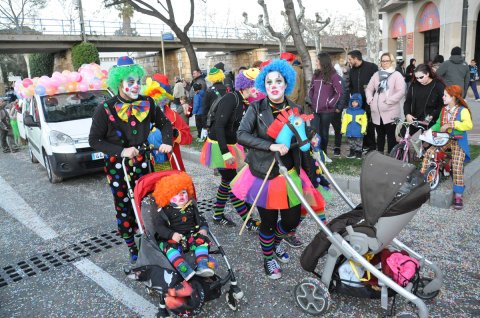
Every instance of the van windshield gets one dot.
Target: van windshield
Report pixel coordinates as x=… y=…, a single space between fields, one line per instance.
x=71 y=106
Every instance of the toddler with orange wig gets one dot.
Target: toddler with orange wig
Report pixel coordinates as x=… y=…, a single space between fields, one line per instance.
x=181 y=227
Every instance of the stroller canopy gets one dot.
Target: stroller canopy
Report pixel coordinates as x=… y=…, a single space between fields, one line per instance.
x=390 y=187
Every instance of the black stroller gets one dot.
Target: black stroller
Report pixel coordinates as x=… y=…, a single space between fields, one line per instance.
x=391 y=193
x=155 y=271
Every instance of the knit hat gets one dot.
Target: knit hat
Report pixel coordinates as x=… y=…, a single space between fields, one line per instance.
x=456 y=51
x=246 y=79
x=287 y=56
x=220 y=66
x=196 y=87
x=215 y=75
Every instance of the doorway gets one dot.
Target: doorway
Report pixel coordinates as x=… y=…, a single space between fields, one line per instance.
x=431 y=44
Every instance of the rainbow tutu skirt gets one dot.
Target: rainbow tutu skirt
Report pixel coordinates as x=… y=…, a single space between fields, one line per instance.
x=211 y=156
x=277 y=193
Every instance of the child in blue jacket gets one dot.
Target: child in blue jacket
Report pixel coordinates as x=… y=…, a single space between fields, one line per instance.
x=200 y=117
x=354 y=125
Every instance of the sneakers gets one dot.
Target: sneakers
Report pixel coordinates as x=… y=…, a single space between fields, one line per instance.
x=203 y=270
x=185 y=270
x=351 y=155
x=223 y=220
x=253 y=225
x=358 y=155
x=281 y=254
x=457 y=201
x=336 y=152
x=293 y=241
x=272 y=269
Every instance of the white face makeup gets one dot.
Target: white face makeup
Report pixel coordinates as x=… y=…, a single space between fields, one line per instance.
x=275 y=86
x=131 y=86
x=180 y=199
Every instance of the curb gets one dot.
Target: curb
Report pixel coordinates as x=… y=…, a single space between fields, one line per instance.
x=438 y=198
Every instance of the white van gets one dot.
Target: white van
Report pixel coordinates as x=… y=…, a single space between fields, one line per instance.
x=57 y=129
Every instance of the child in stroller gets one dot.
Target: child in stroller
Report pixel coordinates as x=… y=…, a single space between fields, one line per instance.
x=164 y=270
x=180 y=227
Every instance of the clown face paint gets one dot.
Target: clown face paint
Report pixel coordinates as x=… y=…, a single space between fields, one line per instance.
x=180 y=199
x=253 y=92
x=275 y=86
x=131 y=86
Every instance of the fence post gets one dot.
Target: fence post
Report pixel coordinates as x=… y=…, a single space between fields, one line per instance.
x=63 y=31
x=104 y=31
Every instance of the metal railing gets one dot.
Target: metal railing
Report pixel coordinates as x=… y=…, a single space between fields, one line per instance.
x=111 y=28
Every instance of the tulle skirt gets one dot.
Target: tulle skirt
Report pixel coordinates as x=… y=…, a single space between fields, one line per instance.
x=211 y=156
x=277 y=193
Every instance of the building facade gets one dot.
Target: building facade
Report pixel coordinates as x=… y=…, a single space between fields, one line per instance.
x=421 y=29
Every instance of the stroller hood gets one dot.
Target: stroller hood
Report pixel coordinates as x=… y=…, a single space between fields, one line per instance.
x=388 y=185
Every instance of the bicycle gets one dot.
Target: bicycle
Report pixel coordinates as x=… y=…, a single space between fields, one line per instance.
x=401 y=151
x=439 y=161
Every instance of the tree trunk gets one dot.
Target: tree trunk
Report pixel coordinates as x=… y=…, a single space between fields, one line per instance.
x=299 y=43
x=318 y=43
x=371 y=9
x=127 y=25
x=192 y=56
x=282 y=45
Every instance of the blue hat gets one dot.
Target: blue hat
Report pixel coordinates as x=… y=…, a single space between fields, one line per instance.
x=125 y=61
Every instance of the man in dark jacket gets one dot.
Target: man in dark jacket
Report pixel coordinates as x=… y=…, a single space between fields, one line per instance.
x=218 y=89
x=197 y=78
x=360 y=74
x=455 y=71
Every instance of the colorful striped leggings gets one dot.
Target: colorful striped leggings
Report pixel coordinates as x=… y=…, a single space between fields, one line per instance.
x=224 y=193
x=458 y=157
x=195 y=242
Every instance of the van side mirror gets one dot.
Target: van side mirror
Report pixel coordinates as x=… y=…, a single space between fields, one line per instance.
x=28 y=121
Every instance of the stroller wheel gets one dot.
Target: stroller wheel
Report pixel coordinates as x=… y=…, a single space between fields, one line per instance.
x=432 y=177
x=149 y=291
x=236 y=291
x=312 y=296
x=231 y=300
x=419 y=292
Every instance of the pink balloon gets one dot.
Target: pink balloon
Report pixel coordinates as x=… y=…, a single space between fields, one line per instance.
x=82 y=87
x=27 y=82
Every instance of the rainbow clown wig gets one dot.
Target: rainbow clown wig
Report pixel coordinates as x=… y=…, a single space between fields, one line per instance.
x=283 y=68
x=125 y=67
x=215 y=75
x=169 y=186
x=156 y=91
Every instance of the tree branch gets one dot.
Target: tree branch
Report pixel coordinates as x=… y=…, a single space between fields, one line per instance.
x=192 y=16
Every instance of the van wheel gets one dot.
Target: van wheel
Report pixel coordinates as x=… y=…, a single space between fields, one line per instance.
x=52 y=177
x=33 y=159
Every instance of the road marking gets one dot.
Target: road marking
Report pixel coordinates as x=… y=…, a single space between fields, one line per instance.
x=14 y=205
x=119 y=291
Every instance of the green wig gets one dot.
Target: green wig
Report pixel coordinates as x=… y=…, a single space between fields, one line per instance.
x=119 y=73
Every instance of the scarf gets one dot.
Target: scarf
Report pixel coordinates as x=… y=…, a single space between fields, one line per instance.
x=383 y=76
x=139 y=109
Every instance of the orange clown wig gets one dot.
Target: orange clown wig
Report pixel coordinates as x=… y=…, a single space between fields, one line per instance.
x=169 y=186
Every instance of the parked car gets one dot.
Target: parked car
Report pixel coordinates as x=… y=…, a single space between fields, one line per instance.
x=57 y=129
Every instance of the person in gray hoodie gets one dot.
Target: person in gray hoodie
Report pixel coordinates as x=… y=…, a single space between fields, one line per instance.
x=455 y=71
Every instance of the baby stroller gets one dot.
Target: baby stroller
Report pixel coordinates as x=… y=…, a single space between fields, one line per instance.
x=391 y=192
x=155 y=271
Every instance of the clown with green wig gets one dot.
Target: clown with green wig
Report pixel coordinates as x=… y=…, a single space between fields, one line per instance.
x=120 y=126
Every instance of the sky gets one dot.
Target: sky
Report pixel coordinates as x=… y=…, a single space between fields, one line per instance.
x=226 y=12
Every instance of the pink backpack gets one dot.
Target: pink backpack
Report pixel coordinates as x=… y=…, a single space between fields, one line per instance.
x=402 y=268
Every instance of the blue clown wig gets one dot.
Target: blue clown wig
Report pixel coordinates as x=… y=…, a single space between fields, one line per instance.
x=283 y=68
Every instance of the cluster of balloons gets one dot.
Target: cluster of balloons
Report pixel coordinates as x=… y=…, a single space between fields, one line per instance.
x=89 y=77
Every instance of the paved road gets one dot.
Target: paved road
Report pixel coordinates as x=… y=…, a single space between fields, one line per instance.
x=60 y=258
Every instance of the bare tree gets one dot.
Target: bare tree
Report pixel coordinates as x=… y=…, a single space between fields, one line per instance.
x=314 y=28
x=70 y=12
x=165 y=13
x=263 y=32
x=294 y=23
x=345 y=33
x=372 y=9
x=15 y=12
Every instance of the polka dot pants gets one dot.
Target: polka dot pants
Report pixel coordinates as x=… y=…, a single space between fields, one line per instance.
x=136 y=168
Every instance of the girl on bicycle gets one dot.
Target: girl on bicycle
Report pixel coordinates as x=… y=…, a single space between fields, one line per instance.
x=455 y=118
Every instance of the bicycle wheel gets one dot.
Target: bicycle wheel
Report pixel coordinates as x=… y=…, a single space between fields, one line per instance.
x=398 y=152
x=432 y=177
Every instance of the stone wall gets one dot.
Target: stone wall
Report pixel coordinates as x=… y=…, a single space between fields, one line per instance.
x=63 y=61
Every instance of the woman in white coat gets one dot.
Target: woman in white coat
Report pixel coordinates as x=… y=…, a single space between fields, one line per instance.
x=384 y=93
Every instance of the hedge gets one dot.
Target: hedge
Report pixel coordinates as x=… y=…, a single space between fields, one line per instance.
x=84 y=53
x=41 y=64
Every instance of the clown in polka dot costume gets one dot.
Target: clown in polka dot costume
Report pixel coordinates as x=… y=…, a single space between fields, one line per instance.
x=119 y=127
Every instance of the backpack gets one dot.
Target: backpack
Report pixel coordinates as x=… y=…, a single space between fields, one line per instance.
x=213 y=108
